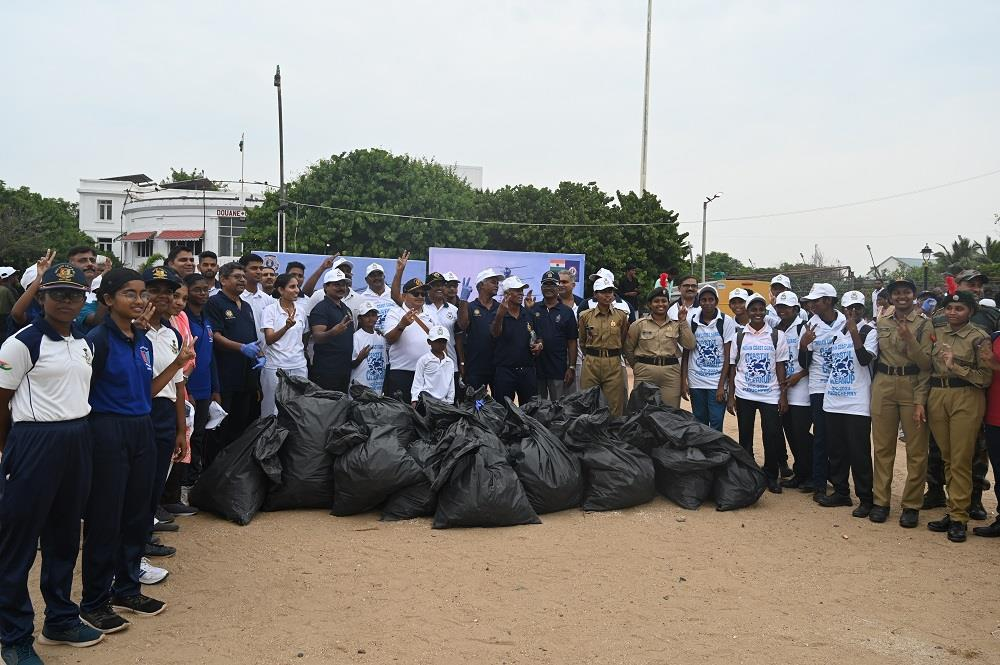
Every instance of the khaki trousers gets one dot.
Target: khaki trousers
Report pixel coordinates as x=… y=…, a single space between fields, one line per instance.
x=892 y=405
x=667 y=377
x=956 y=416
x=606 y=373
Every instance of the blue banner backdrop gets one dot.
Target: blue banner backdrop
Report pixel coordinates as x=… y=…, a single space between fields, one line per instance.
x=529 y=266
x=278 y=261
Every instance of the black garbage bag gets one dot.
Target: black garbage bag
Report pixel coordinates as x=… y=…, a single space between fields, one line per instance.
x=368 y=474
x=740 y=482
x=234 y=485
x=549 y=472
x=372 y=410
x=310 y=411
x=544 y=411
x=417 y=500
x=617 y=474
x=643 y=394
x=475 y=485
x=686 y=475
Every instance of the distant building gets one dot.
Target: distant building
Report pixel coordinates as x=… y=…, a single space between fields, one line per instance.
x=134 y=217
x=894 y=263
x=471 y=174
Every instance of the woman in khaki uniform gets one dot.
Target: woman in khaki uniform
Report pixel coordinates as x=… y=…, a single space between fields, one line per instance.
x=654 y=346
x=956 y=404
x=603 y=331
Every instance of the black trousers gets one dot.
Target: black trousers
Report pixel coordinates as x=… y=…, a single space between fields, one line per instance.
x=849 y=445
x=399 y=384
x=511 y=381
x=796 y=425
x=198 y=437
x=243 y=408
x=331 y=379
x=770 y=423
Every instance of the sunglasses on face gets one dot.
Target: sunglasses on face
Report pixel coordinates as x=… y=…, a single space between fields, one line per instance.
x=66 y=296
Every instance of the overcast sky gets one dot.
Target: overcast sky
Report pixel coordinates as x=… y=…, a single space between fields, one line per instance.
x=781 y=105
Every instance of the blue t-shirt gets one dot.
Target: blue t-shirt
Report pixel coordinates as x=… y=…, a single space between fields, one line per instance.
x=122 y=379
x=512 y=347
x=555 y=327
x=204 y=380
x=478 y=340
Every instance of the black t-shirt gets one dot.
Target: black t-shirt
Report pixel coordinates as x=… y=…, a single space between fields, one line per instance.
x=555 y=327
x=627 y=285
x=234 y=321
x=512 y=347
x=334 y=353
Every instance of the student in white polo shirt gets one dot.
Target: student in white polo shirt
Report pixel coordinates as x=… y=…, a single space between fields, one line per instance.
x=435 y=372
x=847 y=405
x=45 y=471
x=815 y=354
x=705 y=369
x=797 y=421
x=757 y=383
x=406 y=335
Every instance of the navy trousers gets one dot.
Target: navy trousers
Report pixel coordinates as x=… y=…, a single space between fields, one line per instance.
x=117 y=521
x=164 y=418
x=44 y=481
x=508 y=381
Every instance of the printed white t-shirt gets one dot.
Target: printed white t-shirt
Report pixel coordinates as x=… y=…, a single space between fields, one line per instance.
x=756 y=377
x=371 y=370
x=289 y=351
x=819 y=368
x=849 y=384
x=706 y=359
x=798 y=395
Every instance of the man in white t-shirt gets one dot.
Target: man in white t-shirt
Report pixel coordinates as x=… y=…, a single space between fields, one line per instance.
x=797 y=421
x=368 y=361
x=253 y=294
x=688 y=289
x=757 y=383
x=815 y=354
x=377 y=293
x=847 y=404
x=406 y=330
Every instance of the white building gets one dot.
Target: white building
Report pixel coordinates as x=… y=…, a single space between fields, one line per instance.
x=135 y=218
x=894 y=263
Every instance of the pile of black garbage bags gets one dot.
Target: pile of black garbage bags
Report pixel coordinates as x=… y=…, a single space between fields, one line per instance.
x=481 y=463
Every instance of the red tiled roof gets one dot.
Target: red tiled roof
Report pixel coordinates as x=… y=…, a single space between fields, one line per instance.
x=135 y=236
x=181 y=235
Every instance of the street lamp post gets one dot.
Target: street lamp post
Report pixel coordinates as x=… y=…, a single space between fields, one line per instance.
x=926 y=253
x=281 y=164
x=704 y=229
x=645 y=100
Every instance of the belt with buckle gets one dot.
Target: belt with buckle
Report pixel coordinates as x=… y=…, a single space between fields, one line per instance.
x=659 y=361
x=602 y=353
x=909 y=370
x=946 y=382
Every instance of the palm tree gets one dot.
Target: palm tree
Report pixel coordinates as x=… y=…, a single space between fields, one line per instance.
x=990 y=250
x=962 y=252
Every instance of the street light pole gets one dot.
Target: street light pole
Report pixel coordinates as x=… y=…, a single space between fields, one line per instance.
x=645 y=102
x=704 y=230
x=926 y=253
x=281 y=164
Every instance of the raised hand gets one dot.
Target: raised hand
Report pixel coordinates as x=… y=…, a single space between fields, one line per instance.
x=809 y=336
x=45 y=262
x=146 y=317
x=328 y=261
x=529 y=300
x=364 y=352
x=947 y=356
x=402 y=260
x=186 y=353
x=466 y=290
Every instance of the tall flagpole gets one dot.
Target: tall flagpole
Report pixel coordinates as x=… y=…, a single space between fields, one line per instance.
x=243 y=199
x=281 y=160
x=645 y=103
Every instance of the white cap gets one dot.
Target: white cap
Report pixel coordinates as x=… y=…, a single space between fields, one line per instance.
x=738 y=294
x=755 y=297
x=820 y=290
x=367 y=306
x=786 y=298
x=334 y=275
x=340 y=260
x=451 y=277
x=28 y=276
x=604 y=273
x=512 y=282
x=783 y=280
x=987 y=302
x=437 y=332
x=603 y=283
x=96 y=284
x=853 y=298
x=708 y=288
x=486 y=274
x=6 y=271
x=372 y=267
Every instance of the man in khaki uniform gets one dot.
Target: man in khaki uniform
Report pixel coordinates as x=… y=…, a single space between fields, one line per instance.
x=956 y=404
x=899 y=397
x=654 y=346
x=602 y=335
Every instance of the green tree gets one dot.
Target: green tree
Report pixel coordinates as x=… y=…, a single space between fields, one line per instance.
x=31 y=223
x=962 y=252
x=180 y=175
x=989 y=250
x=719 y=262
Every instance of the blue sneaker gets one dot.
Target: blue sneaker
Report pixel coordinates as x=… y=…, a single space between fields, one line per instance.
x=80 y=635
x=20 y=654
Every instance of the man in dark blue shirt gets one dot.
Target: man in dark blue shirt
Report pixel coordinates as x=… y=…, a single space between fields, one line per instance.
x=515 y=345
x=332 y=328
x=555 y=325
x=476 y=321
x=237 y=357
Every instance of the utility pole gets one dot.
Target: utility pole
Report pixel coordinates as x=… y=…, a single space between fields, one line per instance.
x=645 y=102
x=704 y=230
x=281 y=160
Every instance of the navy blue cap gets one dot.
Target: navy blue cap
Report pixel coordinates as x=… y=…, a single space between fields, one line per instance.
x=63 y=276
x=550 y=276
x=161 y=274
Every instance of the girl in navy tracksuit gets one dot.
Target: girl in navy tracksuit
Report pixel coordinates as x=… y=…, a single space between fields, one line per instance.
x=118 y=517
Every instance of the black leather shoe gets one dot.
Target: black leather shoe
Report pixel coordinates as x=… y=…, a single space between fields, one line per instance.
x=878 y=514
x=819 y=496
x=807 y=487
x=991 y=531
x=785 y=471
x=909 y=518
x=941 y=525
x=773 y=486
x=976 y=511
x=835 y=500
x=956 y=532
x=935 y=498
x=863 y=510
x=791 y=483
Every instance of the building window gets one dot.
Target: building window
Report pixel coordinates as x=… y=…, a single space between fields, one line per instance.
x=230 y=231
x=194 y=245
x=104 y=210
x=104 y=245
x=144 y=248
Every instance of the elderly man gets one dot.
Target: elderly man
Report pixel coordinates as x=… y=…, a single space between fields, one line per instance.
x=477 y=321
x=555 y=324
x=516 y=344
x=332 y=326
x=406 y=329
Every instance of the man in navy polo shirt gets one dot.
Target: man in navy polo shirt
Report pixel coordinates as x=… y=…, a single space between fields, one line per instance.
x=332 y=327
x=555 y=325
x=237 y=356
x=476 y=321
x=516 y=344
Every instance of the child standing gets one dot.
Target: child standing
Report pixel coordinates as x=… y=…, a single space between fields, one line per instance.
x=435 y=372
x=368 y=359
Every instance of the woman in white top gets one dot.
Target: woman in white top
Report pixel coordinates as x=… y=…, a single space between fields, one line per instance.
x=283 y=323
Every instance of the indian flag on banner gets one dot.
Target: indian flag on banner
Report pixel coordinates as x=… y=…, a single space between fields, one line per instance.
x=557 y=264
x=562 y=264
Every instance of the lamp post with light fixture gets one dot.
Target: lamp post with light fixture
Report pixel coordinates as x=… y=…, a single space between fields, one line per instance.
x=704 y=230
x=926 y=253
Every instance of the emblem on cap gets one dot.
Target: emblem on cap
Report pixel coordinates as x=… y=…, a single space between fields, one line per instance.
x=159 y=273
x=65 y=273
x=417 y=282
x=955 y=297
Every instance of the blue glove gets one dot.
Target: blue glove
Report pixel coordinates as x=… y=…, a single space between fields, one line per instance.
x=260 y=363
x=250 y=350
x=929 y=306
x=466 y=289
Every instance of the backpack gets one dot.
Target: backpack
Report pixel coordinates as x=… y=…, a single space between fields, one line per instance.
x=719 y=325
x=739 y=344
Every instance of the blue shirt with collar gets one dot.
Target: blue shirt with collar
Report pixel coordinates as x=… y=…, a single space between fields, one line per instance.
x=554 y=327
x=204 y=380
x=478 y=340
x=235 y=322
x=122 y=382
x=512 y=347
x=334 y=353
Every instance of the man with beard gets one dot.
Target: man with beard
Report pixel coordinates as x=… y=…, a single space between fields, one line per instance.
x=208 y=265
x=93 y=312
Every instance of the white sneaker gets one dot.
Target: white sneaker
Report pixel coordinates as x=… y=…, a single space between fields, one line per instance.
x=150 y=574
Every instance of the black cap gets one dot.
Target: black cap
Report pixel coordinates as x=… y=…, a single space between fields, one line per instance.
x=435 y=277
x=414 y=286
x=550 y=276
x=113 y=280
x=161 y=274
x=897 y=283
x=964 y=297
x=658 y=292
x=63 y=276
